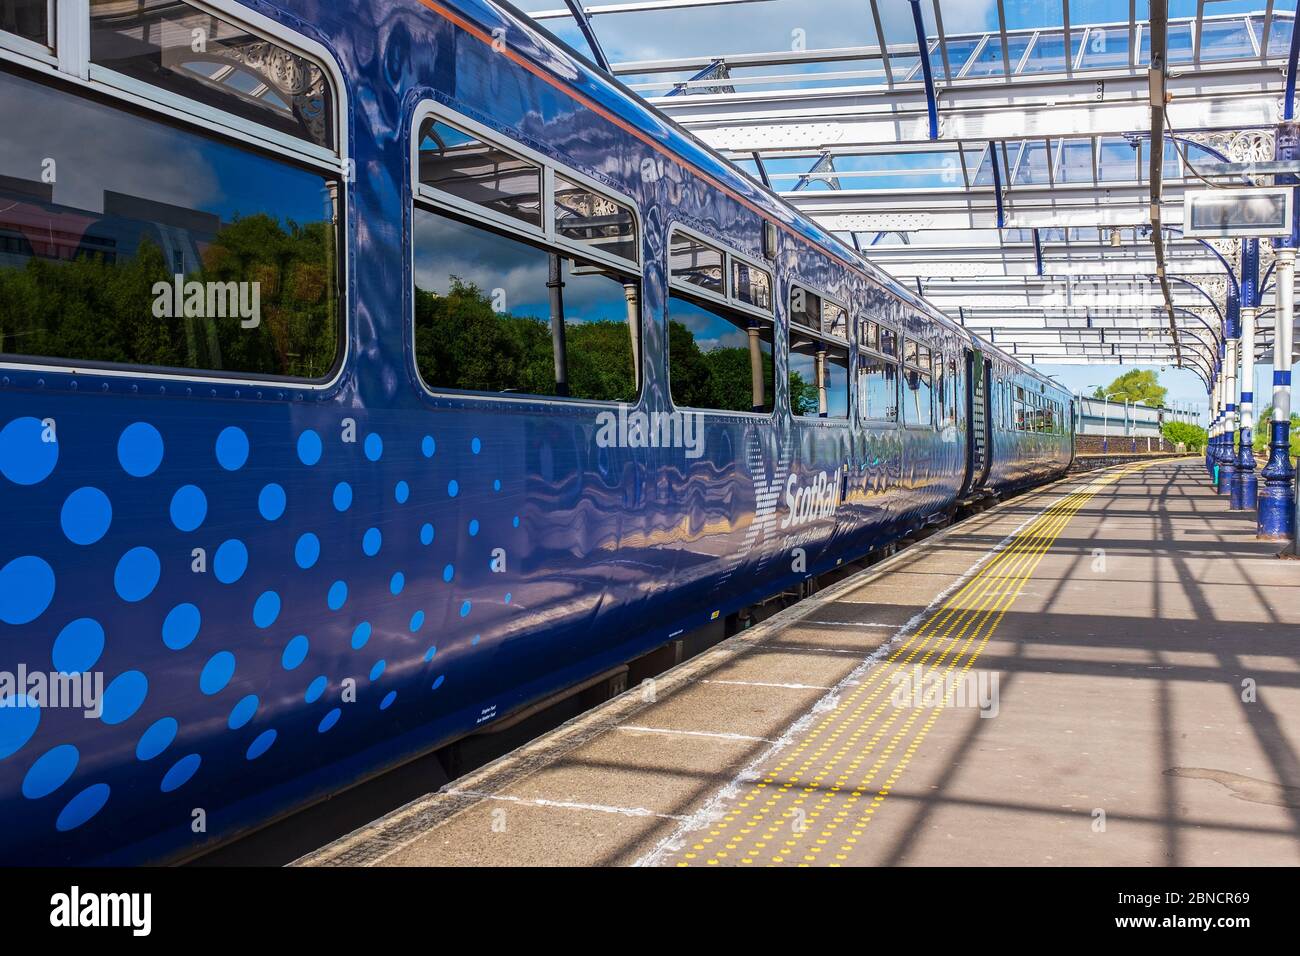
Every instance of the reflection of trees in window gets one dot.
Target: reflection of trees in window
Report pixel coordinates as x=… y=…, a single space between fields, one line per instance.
x=719 y=360
x=100 y=308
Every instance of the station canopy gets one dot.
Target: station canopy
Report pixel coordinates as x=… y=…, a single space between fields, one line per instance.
x=994 y=155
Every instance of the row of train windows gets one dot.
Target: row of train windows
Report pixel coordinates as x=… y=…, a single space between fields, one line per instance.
x=178 y=251
x=1026 y=411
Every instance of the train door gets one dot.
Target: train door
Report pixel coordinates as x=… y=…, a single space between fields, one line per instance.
x=978 y=422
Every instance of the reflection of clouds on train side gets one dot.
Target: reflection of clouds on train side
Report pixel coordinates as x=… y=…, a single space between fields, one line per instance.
x=445 y=248
x=95 y=150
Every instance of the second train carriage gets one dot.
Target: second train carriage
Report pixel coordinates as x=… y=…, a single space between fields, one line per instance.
x=370 y=372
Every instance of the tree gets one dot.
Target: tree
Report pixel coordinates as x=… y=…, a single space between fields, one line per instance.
x=1137 y=385
x=1263 y=431
x=1193 y=436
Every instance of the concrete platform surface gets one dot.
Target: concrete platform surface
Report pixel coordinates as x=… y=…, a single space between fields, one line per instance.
x=1106 y=671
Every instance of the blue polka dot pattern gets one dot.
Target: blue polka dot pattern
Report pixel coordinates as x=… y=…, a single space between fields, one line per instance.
x=337 y=596
x=360 y=635
x=180 y=773
x=157 y=738
x=19 y=718
x=307 y=551
x=217 y=672
x=438 y=681
x=428 y=446
x=388 y=700
x=295 y=652
x=231 y=561
x=448 y=573
x=181 y=626
x=266 y=609
x=82 y=807
x=26 y=589
x=396 y=583
x=377 y=671
x=78 y=646
x=242 y=712
x=316 y=688
x=51 y=770
x=401 y=492
x=453 y=488
x=86 y=515
x=123 y=697
x=329 y=720
x=430 y=653
x=475 y=446
x=26 y=458
x=342 y=496
x=271 y=502
x=189 y=507
x=473 y=527
x=137 y=574
x=426 y=534
x=371 y=542
x=417 y=621
x=261 y=744
x=374 y=447
x=232 y=448
x=309 y=448
x=464 y=608
x=140 y=450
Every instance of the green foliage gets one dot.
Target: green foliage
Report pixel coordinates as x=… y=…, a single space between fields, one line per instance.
x=1137 y=385
x=97 y=309
x=1193 y=436
x=1263 y=431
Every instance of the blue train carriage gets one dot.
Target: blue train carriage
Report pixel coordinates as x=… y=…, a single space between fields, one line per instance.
x=370 y=372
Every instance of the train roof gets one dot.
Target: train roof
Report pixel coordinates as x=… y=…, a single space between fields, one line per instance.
x=613 y=96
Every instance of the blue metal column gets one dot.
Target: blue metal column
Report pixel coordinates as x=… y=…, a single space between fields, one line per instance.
x=1232 y=339
x=923 y=48
x=1245 y=487
x=1277 y=519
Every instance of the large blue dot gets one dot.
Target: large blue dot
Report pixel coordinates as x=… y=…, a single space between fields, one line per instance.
x=475 y=446
x=123 y=697
x=417 y=621
x=426 y=533
x=453 y=488
x=86 y=515
x=337 y=596
x=82 y=807
x=181 y=626
x=19 y=718
x=374 y=447
x=316 y=688
x=396 y=583
x=360 y=635
x=307 y=550
x=464 y=609
x=371 y=541
x=448 y=573
x=377 y=671
x=78 y=646
x=295 y=652
x=242 y=712
x=261 y=744
x=25 y=457
x=401 y=492
x=388 y=700
x=230 y=561
x=140 y=449
x=428 y=446
x=157 y=738
x=26 y=589
x=266 y=609
x=329 y=720
x=473 y=527
x=271 y=501
x=217 y=672
x=430 y=653
x=180 y=773
x=342 y=496
x=439 y=680
x=51 y=771
x=309 y=448
x=137 y=574
x=232 y=448
x=189 y=507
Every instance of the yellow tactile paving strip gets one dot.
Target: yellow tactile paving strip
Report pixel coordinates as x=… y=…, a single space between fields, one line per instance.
x=814 y=804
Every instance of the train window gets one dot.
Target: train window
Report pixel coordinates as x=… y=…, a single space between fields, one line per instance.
x=719 y=358
x=869 y=335
x=835 y=320
x=470 y=171
x=484 y=316
x=805 y=308
x=586 y=216
x=877 y=389
x=29 y=19
x=696 y=263
x=751 y=285
x=819 y=377
x=191 y=52
x=918 y=382
x=888 y=342
x=168 y=249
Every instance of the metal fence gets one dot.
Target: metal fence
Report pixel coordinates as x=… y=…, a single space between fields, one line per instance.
x=1096 y=416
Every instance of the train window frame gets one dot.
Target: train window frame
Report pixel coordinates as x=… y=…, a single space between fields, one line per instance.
x=872 y=355
x=706 y=298
x=927 y=369
x=548 y=169
x=445 y=204
x=68 y=67
x=819 y=334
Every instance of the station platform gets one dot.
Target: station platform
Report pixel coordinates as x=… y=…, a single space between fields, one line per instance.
x=1104 y=671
